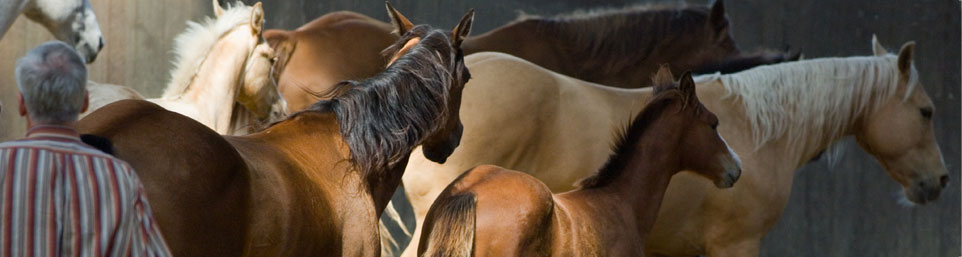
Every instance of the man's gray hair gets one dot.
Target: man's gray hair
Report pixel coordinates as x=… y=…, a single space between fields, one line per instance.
x=53 y=81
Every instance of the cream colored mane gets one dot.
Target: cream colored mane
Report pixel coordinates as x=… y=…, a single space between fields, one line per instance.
x=193 y=46
x=821 y=96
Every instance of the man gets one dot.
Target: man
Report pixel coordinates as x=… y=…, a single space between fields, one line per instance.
x=58 y=196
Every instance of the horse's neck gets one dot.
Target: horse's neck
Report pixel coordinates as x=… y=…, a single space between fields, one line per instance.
x=641 y=185
x=9 y=11
x=212 y=93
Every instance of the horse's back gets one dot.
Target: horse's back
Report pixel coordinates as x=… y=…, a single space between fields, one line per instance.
x=197 y=184
x=335 y=47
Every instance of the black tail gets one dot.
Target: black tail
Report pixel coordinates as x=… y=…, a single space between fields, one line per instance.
x=452 y=229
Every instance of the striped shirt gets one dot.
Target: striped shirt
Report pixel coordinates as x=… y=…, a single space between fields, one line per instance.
x=60 y=197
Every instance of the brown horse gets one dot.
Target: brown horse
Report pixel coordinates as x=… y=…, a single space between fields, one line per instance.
x=492 y=211
x=617 y=48
x=337 y=46
x=311 y=185
x=623 y=47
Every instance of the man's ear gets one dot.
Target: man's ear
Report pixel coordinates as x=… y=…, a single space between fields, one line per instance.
x=22 y=106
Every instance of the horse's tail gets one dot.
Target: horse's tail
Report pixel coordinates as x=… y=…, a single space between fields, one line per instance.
x=452 y=234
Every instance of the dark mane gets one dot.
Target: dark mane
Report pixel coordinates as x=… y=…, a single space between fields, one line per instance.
x=626 y=147
x=614 y=35
x=384 y=117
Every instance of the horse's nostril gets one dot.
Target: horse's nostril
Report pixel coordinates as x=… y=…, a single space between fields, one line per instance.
x=100 y=45
x=944 y=180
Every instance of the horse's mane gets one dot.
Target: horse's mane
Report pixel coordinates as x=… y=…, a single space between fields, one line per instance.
x=822 y=96
x=625 y=150
x=193 y=45
x=385 y=117
x=614 y=35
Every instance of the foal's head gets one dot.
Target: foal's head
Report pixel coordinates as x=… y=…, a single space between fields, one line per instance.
x=676 y=113
x=446 y=46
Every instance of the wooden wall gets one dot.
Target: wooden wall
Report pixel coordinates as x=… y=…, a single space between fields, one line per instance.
x=138 y=37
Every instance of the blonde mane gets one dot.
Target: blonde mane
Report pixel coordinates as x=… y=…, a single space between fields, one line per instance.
x=193 y=46
x=822 y=97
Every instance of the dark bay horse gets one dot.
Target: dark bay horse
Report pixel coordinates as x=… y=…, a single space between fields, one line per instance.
x=311 y=185
x=492 y=211
x=623 y=47
x=619 y=48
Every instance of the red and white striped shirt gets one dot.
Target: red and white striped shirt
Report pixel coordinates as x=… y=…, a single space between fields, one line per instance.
x=60 y=197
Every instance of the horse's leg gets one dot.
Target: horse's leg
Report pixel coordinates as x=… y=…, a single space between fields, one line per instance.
x=744 y=248
x=396 y=224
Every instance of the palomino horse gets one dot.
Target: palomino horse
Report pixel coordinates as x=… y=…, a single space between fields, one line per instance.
x=523 y=117
x=337 y=46
x=70 y=21
x=221 y=77
x=618 y=47
x=623 y=47
x=492 y=211
x=311 y=185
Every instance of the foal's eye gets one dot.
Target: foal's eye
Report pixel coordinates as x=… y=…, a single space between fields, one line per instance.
x=926 y=112
x=714 y=125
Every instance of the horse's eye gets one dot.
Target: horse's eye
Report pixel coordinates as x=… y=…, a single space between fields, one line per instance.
x=926 y=112
x=714 y=125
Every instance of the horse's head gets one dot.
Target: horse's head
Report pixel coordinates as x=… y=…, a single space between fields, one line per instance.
x=70 y=21
x=259 y=91
x=704 y=37
x=701 y=149
x=899 y=132
x=447 y=47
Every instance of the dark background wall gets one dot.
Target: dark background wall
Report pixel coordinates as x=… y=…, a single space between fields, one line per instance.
x=846 y=209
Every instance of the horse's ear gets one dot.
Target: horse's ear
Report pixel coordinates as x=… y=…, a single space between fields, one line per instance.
x=663 y=80
x=463 y=29
x=905 y=58
x=257 y=18
x=877 y=48
x=687 y=86
x=218 y=11
x=717 y=15
x=401 y=24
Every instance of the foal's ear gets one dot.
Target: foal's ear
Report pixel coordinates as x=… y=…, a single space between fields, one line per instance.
x=257 y=18
x=717 y=15
x=218 y=11
x=905 y=58
x=401 y=24
x=687 y=86
x=877 y=48
x=463 y=29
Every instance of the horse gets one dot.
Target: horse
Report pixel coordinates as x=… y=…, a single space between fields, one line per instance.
x=221 y=76
x=523 y=117
x=313 y=184
x=623 y=47
x=493 y=211
x=70 y=21
x=600 y=47
x=337 y=46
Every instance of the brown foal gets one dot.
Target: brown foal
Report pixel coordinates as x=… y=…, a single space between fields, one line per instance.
x=492 y=211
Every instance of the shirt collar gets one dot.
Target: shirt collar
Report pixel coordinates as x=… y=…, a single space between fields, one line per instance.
x=53 y=132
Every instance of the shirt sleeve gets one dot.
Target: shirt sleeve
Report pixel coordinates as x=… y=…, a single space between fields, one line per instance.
x=138 y=234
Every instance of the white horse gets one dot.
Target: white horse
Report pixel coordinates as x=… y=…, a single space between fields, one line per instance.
x=70 y=21
x=221 y=76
